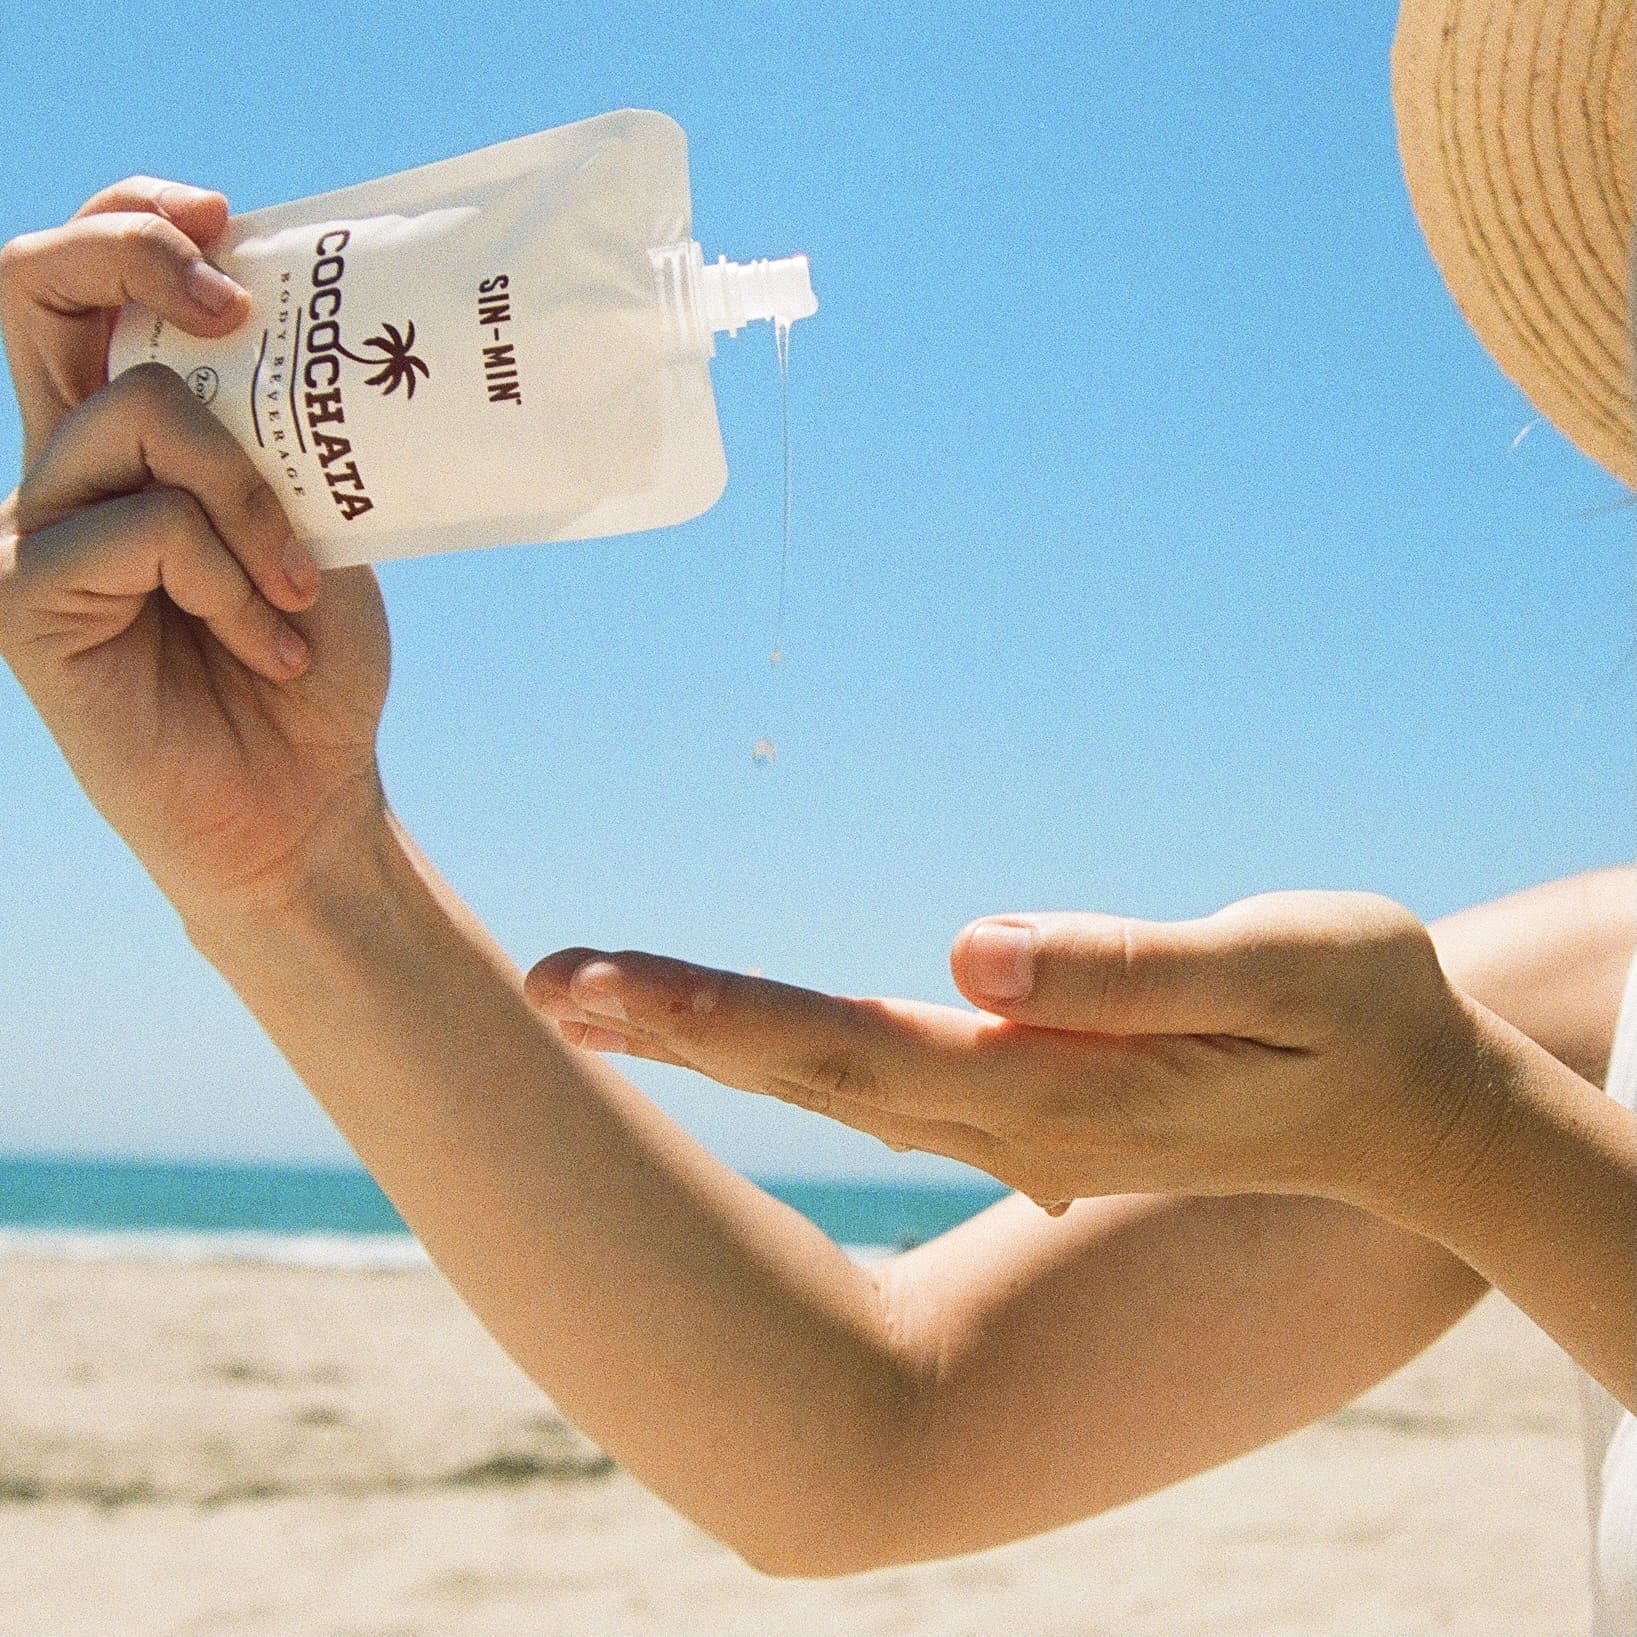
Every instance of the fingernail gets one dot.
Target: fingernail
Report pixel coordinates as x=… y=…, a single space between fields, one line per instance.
x=179 y=196
x=596 y=989
x=301 y=571
x=292 y=649
x=603 y=1040
x=1000 y=960
x=210 y=287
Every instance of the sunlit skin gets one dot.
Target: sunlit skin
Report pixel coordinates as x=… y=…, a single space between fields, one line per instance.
x=1303 y=1135
x=1299 y=1043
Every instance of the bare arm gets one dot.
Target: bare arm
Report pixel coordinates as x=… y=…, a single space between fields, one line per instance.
x=1551 y=960
x=1157 y=1336
x=714 y=1341
x=1014 y=1375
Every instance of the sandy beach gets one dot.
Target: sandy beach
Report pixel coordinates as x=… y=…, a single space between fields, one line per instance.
x=217 y=1448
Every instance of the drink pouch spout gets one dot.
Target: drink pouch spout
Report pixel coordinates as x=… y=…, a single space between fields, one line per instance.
x=707 y=299
x=734 y=294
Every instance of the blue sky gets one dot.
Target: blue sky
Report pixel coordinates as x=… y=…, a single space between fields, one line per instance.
x=1159 y=531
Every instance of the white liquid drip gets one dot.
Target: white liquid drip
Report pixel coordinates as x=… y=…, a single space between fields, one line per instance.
x=764 y=752
x=781 y=342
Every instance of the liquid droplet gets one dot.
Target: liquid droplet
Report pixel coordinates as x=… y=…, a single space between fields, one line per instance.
x=764 y=753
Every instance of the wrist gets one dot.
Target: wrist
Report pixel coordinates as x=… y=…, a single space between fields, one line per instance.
x=1490 y=1116
x=1444 y=1124
x=1530 y=1177
x=351 y=868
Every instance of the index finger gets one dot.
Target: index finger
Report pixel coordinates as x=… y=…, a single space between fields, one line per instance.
x=60 y=290
x=822 y=1052
x=201 y=213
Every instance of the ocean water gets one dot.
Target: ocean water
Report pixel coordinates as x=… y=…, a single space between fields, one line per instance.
x=330 y=1216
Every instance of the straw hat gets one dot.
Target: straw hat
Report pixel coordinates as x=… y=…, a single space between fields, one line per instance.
x=1515 y=123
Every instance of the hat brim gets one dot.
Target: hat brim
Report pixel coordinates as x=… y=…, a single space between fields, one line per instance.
x=1515 y=126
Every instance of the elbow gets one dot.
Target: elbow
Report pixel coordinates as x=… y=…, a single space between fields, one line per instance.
x=815 y=1559
x=783 y=1566
x=856 y=1538
x=873 y=1505
x=849 y=1535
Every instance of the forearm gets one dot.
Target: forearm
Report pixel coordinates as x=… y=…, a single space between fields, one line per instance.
x=1551 y=959
x=715 y=1342
x=1550 y=1216
x=1531 y=1179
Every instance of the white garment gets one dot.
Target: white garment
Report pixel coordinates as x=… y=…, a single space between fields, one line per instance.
x=1610 y=1432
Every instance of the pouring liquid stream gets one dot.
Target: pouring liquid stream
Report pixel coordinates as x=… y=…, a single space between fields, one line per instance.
x=781 y=341
x=764 y=752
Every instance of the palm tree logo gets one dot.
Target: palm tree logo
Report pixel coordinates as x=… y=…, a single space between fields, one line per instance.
x=394 y=352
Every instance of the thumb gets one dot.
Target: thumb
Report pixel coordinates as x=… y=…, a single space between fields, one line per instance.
x=1112 y=974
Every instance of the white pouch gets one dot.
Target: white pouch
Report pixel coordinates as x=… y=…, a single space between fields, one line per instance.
x=508 y=346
